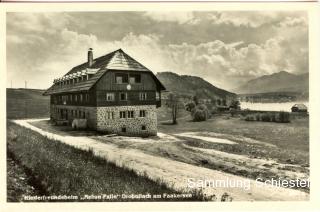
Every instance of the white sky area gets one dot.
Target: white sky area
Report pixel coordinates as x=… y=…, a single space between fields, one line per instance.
x=224 y=48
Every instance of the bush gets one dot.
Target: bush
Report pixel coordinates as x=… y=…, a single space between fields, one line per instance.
x=190 y=106
x=249 y=117
x=200 y=113
x=214 y=111
x=283 y=117
x=265 y=117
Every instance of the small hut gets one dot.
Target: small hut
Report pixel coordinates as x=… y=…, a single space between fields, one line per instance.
x=299 y=108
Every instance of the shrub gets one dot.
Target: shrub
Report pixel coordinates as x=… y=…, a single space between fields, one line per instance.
x=283 y=117
x=232 y=112
x=200 y=113
x=265 y=117
x=258 y=117
x=235 y=104
x=214 y=110
x=249 y=117
x=273 y=117
x=190 y=106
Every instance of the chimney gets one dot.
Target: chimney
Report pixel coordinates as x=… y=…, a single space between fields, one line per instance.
x=90 y=57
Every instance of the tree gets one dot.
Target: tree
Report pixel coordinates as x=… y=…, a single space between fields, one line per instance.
x=189 y=106
x=235 y=104
x=200 y=113
x=175 y=105
x=224 y=102
x=196 y=100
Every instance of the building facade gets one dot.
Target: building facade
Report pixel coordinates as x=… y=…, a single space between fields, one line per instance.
x=113 y=93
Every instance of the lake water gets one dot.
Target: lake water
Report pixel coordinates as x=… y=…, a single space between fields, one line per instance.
x=284 y=106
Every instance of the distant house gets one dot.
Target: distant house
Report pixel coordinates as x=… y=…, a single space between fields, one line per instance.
x=114 y=93
x=299 y=108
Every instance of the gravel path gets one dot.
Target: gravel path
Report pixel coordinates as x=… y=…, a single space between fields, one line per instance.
x=173 y=172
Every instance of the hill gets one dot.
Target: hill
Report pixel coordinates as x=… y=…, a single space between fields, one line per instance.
x=26 y=103
x=185 y=85
x=277 y=82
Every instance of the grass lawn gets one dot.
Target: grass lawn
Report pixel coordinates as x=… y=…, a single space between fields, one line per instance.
x=291 y=140
x=293 y=136
x=27 y=103
x=63 y=170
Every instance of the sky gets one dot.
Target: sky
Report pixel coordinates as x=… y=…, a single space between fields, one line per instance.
x=225 y=48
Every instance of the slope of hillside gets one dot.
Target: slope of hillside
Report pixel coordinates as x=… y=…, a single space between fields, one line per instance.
x=277 y=82
x=191 y=85
x=26 y=103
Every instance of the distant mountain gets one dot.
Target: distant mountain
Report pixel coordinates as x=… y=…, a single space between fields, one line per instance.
x=185 y=85
x=277 y=82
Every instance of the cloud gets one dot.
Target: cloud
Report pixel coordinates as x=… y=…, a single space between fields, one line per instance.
x=294 y=22
x=37 y=22
x=256 y=19
x=224 y=48
x=170 y=16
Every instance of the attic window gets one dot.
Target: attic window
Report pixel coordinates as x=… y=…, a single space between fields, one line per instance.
x=121 y=78
x=135 y=78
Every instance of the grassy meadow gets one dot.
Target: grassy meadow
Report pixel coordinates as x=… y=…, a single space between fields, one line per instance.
x=59 y=169
x=27 y=103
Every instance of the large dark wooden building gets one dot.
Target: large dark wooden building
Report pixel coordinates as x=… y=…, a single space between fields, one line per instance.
x=113 y=93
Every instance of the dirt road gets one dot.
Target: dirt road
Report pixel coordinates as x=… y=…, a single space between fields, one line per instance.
x=177 y=173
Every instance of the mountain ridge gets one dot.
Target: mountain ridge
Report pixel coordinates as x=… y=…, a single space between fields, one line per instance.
x=187 y=85
x=277 y=82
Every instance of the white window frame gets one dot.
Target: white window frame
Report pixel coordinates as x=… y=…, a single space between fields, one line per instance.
x=123 y=112
x=142 y=112
x=157 y=95
x=130 y=114
x=110 y=95
x=143 y=96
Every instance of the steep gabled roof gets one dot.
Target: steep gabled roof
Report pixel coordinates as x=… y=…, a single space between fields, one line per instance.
x=117 y=60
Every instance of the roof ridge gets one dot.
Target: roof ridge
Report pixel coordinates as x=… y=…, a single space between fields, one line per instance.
x=97 y=58
x=104 y=63
x=134 y=60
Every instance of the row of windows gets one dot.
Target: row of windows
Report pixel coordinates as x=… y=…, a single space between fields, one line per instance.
x=109 y=115
x=131 y=114
x=124 y=129
x=72 y=98
x=64 y=113
x=121 y=78
x=74 y=80
x=124 y=96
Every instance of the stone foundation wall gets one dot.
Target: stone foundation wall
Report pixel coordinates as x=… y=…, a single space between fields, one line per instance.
x=108 y=120
x=74 y=112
